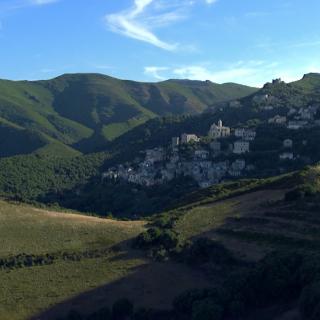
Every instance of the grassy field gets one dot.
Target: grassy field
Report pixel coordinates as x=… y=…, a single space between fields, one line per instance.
x=50 y=290
x=23 y=229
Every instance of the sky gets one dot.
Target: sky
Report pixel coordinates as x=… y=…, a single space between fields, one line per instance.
x=244 y=41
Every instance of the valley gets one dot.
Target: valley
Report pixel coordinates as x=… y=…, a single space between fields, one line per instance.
x=161 y=217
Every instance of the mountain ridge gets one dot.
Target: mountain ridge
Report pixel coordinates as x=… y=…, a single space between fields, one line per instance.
x=73 y=109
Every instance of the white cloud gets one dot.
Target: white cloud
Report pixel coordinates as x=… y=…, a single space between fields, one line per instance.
x=154 y=72
x=211 y=1
x=139 y=21
x=254 y=73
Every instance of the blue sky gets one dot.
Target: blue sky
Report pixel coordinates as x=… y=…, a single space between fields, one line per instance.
x=244 y=41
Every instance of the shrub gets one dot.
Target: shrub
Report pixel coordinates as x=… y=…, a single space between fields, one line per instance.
x=204 y=250
x=157 y=238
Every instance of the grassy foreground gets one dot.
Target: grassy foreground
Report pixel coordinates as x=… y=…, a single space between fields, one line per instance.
x=29 y=290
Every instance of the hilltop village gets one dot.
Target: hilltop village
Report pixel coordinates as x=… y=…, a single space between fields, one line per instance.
x=190 y=155
x=219 y=156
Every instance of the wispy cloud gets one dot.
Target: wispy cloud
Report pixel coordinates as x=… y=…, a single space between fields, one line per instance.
x=140 y=21
x=41 y=2
x=11 y=5
x=137 y=23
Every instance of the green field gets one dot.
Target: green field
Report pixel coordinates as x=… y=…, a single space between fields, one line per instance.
x=23 y=229
x=50 y=290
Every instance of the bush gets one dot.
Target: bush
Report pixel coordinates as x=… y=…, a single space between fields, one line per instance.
x=157 y=238
x=205 y=250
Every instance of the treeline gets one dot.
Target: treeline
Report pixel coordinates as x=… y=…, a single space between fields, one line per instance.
x=31 y=177
x=24 y=260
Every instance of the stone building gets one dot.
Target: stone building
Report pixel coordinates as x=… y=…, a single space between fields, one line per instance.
x=241 y=147
x=219 y=131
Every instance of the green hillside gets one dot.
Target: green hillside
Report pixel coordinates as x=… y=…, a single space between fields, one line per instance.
x=259 y=238
x=48 y=259
x=267 y=230
x=85 y=111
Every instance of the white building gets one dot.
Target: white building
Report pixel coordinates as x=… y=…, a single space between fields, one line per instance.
x=187 y=138
x=241 y=147
x=245 y=134
x=219 y=131
x=286 y=156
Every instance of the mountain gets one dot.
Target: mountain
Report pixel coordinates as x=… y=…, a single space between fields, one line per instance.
x=82 y=112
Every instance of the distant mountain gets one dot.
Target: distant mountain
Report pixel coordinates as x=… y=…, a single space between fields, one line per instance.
x=84 y=111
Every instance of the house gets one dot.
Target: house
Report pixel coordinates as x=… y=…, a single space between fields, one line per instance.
x=219 y=131
x=111 y=174
x=296 y=125
x=286 y=156
x=240 y=147
x=288 y=143
x=205 y=164
x=187 y=138
x=278 y=120
x=307 y=113
x=245 y=134
x=201 y=154
x=239 y=164
x=234 y=173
